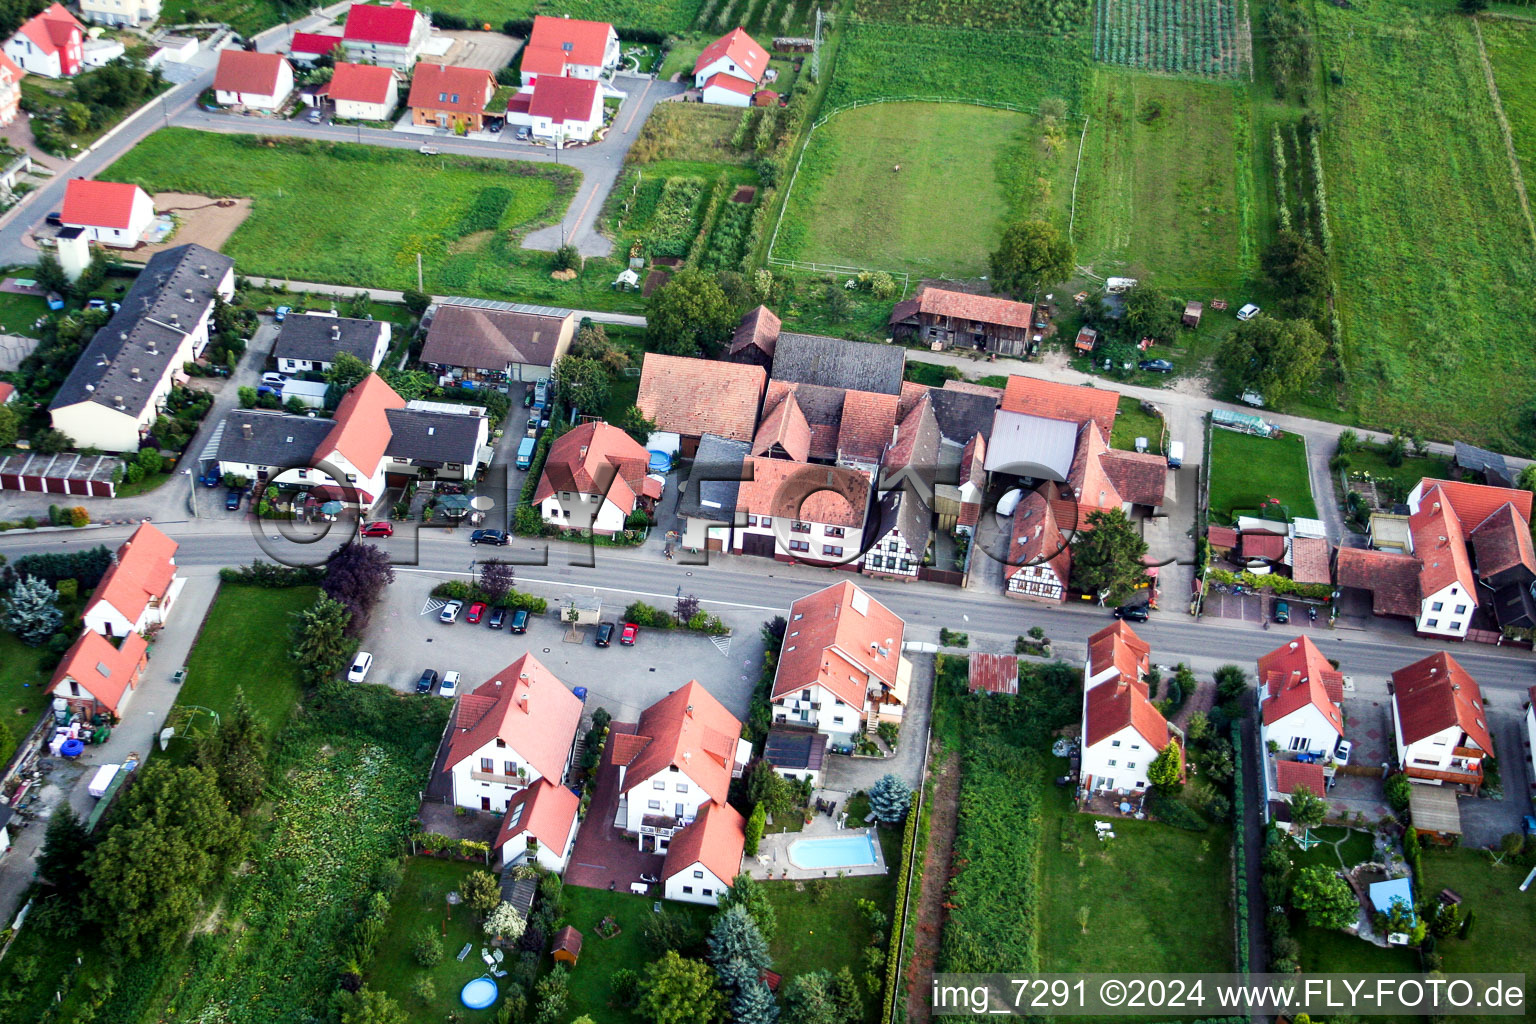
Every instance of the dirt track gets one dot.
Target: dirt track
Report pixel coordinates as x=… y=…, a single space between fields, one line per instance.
x=201 y=219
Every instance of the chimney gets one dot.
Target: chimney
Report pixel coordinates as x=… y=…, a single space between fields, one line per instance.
x=153 y=349
x=689 y=712
x=245 y=431
x=117 y=400
x=202 y=271
x=336 y=332
x=134 y=373
x=188 y=294
x=522 y=701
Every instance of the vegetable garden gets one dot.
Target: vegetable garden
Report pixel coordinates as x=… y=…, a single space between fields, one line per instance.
x=761 y=18
x=1194 y=37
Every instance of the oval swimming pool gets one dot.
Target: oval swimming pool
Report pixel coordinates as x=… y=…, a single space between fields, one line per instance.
x=479 y=994
x=851 y=851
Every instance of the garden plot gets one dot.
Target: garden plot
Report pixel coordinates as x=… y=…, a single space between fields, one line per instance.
x=1194 y=37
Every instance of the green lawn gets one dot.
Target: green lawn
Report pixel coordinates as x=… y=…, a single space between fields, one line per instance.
x=1334 y=952
x=22 y=682
x=244 y=644
x=361 y=214
x=1510 y=46
x=1433 y=253
x=247 y=16
x=19 y=312
x=931 y=375
x=591 y=991
x=1246 y=470
x=953 y=160
x=1412 y=470
x=1341 y=848
x=1133 y=423
x=1156 y=898
x=1500 y=914
x=421 y=901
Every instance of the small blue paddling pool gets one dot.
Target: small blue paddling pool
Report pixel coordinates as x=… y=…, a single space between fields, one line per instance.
x=479 y=994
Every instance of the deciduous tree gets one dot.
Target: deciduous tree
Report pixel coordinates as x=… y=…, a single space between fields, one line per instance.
x=582 y=383
x=32 y=611
x=370 y=1006
x=497 y=578
x=1149 y=313
x=1326 y=898
x=1307 y=808
x=10 y=425
x=1298 y=271
x=1276 y=358
x=1107 y=560
x=505 y=922
x=1032 y=253
x=675 y=990
x=633 y=422
x=689 y=314
x=745 y=891
x=481 y=892
x=346 y=372
x=356 y=575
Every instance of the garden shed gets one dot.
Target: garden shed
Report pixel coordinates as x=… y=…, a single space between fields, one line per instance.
x=1243 y=422
x=1192 y=312
x=567 y=946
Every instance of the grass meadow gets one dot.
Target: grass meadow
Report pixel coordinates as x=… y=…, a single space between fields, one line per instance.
x=1500 y=912
x=1245 y=470
x=1434 y=265
x=1511 y=49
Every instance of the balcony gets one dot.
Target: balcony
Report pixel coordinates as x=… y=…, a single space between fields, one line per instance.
x=518 y=781
x=1471 y=776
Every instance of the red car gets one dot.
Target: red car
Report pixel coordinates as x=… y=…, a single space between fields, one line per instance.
x=627 y=638
x=476 y=610
x=378 y=530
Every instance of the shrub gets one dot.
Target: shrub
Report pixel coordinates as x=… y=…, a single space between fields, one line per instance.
x=79 y=517
x=1397 y=789
x=427 y=946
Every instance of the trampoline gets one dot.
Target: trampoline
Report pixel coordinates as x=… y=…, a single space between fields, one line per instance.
x=479 y=994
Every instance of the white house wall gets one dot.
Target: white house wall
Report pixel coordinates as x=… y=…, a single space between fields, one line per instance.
x=1130 y=753
x=1446 y=620
x=695 y=884
x=676 y=788
x=1304 y=730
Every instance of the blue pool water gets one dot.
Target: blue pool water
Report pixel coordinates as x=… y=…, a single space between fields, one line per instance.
x=833 y=852
x=479 y=994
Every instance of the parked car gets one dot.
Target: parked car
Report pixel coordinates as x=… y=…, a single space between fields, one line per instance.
x=379 y=529
x=428 y=151
x=498 y=618
x=281 y=313
x=232 y=500
x=630 y=632
x=494 y=127
x=450 y=612
x=96 y=304
x=520 y=621
x=1156 y=365
x=450 y=687
x=268 y=389
x=604 y=634
x=275 y=380
x=525 y=449
x=524 y=134
x=1282 y=612
x=427 y=681
x=360 y=666
x=212 y=478
x=496 y=537
x=1133 y=613
x=1529 y=822
x=1248 y=312
x=476 y=613
x=56 y=218
x=315 y=117
x=1341 y=751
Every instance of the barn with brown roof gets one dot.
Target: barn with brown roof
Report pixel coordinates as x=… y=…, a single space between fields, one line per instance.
x=949 y=319
x=693 y=397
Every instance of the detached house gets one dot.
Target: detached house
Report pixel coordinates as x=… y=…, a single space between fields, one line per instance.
x=730 y=69
x=1439 y=723
x=252 y=81
x=97 y=676
x=841 y=670
x=308 y=48
x=539 y=826
x=363 y=92
x=120 y=381
x=137 y=592
x=133 y=13
x=948 y=319
x=562 y=109
x=388 y=34
x=310 y=342
x=453 y=98
x=494 y=346
x=1121 y=729
x=1039 y=562
x=51 y=44
x=510 y=732
x=10 y=97
x=570 y=48
x=1301 y=700
x=594 y=477
x=107 y=212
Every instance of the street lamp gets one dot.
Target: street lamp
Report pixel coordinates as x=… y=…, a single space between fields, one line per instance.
x=192 y=486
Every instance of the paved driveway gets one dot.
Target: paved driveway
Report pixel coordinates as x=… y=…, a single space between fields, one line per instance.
x=851 y=774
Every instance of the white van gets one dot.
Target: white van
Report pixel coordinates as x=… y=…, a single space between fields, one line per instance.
x=1175 y=454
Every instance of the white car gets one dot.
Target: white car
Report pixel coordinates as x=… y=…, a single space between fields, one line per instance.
x=360 y=666
x=1341 y=752
x=450 y=612
x=1248 y=312
x=274 y=380
x=450 y=685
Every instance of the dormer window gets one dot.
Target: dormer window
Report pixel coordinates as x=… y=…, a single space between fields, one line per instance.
x=501 y=744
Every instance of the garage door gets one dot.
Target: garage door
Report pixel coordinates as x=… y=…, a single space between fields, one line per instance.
x=758 y=544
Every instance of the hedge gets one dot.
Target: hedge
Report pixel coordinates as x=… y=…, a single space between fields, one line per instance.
x=529 y=523
x=272 y=575
x=1240 y=849
x=1270 y=581
x=458 y=590
x=893 y=957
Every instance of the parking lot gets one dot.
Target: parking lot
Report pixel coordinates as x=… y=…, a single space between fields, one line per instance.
x=406 y=637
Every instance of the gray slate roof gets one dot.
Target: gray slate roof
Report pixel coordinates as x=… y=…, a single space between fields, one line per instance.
x=834 y=362
x=276 y=438
x=488 y=339
x=1491 y=464
x=419 y=435
x=718 y=457
x=144 y=334
x=902 y=510
x=962 y=415
x=318 y=338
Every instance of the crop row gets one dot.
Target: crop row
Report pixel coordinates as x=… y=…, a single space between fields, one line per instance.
x=1175 y=36
x=672 y=225
x=725 y=242
x=1282 y=209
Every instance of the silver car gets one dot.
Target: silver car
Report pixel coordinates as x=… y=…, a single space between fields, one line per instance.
x=450 y=612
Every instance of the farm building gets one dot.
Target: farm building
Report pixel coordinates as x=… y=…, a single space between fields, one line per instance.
x=949 y=319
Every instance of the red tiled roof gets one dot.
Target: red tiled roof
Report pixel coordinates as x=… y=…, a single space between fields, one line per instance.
x=987 y=309
x=1502 y=542
x=247 y=72
x=741 y=49
x=687 y=729
x=1435 y=694
x=1296 y=674
x=543 y=61
x=10 y=71
x=829 y=639
x=362 y=83
x=102 y=204
x=362 y=431
x=972 y=388
x=525 y=706
x=1390 y=576
x=434 y=86
x=716 y=839
x=829 y=495
x=1089 y=488
x=7 y=391
x=1475 y=502
x=595 y=458
x=1118 y=704
x=1290 y=774
x=1221 y=537
x=52 y=29
x=1439 y=543
x=729 y=82
x=86 y=659
x=1309 y=560
x=1117 y=646
x=701 y=396
x=143 y=571
x=313 y=42
x=386 y=24
x=580 y=42
x=994 y=673
x=1261 y=544
x=1037 y=539
x=1140 y=477
x=759 y=328
x=784 y=425
x=564 y=99
x=869 y=421
x=1054 y=401
x=548 y=815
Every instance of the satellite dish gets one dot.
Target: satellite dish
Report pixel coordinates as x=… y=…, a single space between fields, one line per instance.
x=165 y=736
x=482 y=503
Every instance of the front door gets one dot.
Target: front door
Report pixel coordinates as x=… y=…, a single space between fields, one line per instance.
x=485 y=803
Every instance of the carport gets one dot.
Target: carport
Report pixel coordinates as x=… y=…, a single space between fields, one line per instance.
x=1434 y=812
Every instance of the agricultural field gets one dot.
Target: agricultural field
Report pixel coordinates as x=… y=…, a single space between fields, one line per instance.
x=891 y=226
x=1295 y=158
x=698 y=133
x=764 y=19
x=1437 y=284
x=657 y=15
x=1159 y=190
x=1247 y=471
x=1186 y=37
x=359 y=215
x=1047 y=14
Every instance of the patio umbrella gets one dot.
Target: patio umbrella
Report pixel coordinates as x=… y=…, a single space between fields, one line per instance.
x=331 y=508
